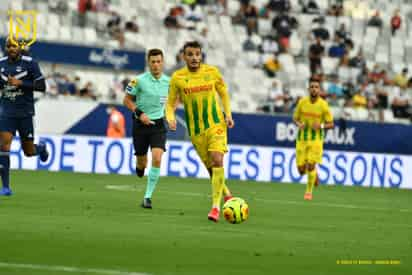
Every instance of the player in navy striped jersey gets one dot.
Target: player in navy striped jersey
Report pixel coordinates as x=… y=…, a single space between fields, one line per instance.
x=20 y=75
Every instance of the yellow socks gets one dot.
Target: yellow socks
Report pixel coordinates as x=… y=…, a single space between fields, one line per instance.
x=218 y=181
x=311 y=180
x=226 y=190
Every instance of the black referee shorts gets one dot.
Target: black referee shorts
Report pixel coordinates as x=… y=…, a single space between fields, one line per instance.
x=145 y=136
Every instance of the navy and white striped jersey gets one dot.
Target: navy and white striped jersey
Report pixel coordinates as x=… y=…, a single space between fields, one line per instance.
x=18 y=101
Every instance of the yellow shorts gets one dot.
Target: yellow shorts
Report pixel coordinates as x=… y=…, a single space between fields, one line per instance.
x=308 y=152
x=212 y=140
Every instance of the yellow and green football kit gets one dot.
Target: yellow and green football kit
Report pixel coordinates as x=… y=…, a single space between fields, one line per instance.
x=309 y=142
x=199 y=92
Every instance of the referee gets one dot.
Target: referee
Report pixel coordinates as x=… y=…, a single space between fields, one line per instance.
x=146 y=96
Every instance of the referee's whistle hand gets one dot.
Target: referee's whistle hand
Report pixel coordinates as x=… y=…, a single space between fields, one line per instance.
x=145 y=119
x=172 y=125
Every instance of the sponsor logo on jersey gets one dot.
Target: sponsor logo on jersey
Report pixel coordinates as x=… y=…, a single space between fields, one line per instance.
x=198 y=89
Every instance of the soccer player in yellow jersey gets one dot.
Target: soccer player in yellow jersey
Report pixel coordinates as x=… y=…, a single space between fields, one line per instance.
x=199 y=86
x=312 y=116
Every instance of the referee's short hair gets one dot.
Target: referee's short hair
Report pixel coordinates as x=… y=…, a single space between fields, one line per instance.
x=154 y=52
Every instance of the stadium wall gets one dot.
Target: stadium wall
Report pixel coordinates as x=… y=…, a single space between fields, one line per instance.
x=88 y=118
x=90 y=154
x=86 y=56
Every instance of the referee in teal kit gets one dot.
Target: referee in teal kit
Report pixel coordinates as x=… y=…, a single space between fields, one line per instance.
x=146 y=96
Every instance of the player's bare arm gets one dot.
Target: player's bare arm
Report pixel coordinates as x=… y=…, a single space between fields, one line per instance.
x=222 y=92
x=300 y=124
x=230 y=122
x=171 y=109
x=327 y=125
x=171 y=105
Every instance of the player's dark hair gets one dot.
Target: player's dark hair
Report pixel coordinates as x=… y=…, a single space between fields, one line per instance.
x=192 y=44
x=315 y=78
x=154 y=52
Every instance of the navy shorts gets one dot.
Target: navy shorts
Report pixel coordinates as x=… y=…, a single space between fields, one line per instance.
x=24 y=125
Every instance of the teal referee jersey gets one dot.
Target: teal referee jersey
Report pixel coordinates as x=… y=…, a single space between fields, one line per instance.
x=151 y=94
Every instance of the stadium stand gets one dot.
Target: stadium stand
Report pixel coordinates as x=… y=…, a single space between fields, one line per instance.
x=362 y=55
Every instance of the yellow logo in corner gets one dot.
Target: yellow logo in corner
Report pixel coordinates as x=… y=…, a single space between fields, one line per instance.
x=22 y=25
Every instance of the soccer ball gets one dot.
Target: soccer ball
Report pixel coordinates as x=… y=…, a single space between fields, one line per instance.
x=236 y=210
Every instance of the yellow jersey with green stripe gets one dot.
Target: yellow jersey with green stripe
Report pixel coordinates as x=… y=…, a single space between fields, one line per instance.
x=309 y=112
x=198 y=92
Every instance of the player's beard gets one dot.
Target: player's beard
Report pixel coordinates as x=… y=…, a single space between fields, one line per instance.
x=314 y=95
x=194 y=66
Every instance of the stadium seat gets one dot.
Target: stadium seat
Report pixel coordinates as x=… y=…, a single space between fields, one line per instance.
x=382 y=54
x=329 y=65
x=287 y=62
x=3 y=30
x=16 y=5
x=297 y=92
x=303 y=70
x=344 y=73
x=397 y=50
x=264 y=26
x=322 y=4
x=295 y=6
x=330 y=21
x=295 y=44
x=361 y=114
x=78 y=35
x=388 y=116
x=51 y=33
x=65 y=34
x=53 y=20
x=360 y=11
x=344 y=20
x=305 y=22
x=253 y=58
x=42 y=7
x=233 y=7
x=90 y=35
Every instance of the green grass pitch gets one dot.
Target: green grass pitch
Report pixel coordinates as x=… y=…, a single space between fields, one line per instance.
x=66 y=223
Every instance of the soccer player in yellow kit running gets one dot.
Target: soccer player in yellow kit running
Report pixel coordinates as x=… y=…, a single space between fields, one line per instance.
x=198 y=87
x=312 y=116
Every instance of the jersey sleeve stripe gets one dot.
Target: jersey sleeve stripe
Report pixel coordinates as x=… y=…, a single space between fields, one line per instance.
x=21 y=75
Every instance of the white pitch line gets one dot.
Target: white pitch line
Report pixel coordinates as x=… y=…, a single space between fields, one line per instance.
x=124 y=187
x=321 y=204
x=69 y=269
x=348 y=206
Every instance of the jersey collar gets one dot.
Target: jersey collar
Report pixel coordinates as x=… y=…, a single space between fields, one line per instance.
x=200 y=69
x=11 y=61
x=154 y=78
